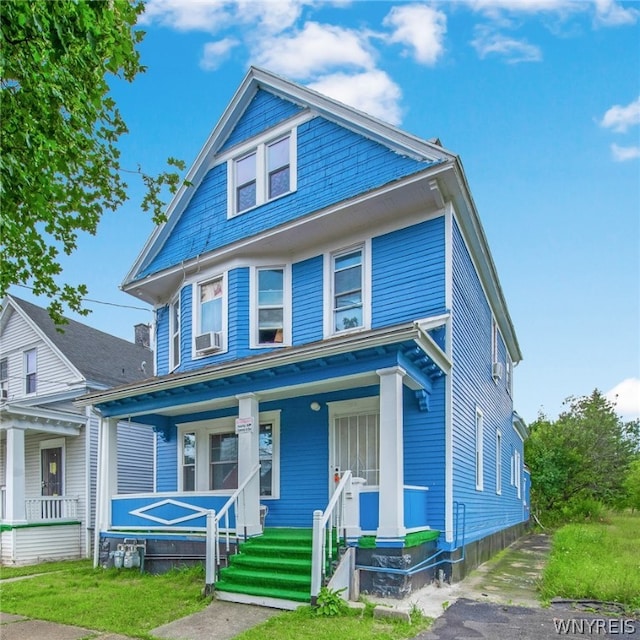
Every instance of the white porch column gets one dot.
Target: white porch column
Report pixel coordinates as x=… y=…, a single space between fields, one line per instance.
x=391 y=515
x=14 y=506
x=107 y=478
x=248 y=514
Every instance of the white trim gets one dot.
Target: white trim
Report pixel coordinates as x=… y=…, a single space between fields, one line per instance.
x=448 y=296
x=479 y=448
x=26 y=372
x=175 y=302
x=498 y=462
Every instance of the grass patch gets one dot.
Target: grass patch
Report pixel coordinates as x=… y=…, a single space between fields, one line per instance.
x=125 y=602
x=305 y=624
x=598 y=561
x=45 y=567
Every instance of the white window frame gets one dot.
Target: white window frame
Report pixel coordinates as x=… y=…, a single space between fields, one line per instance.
x=494 y=340
x=498 y=462
x=509 y=375
x=328 y=286
x=262 y=170
x=28 y=372
x=4 y=379
x=174 y=332
x=181 y=464
x=196 y=314
x=517 y=472
x=479 y=449
x=254 y=307
x=203 y=429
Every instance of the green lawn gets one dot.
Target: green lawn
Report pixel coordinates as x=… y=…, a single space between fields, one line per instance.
x=45 y=567
x=599 y=561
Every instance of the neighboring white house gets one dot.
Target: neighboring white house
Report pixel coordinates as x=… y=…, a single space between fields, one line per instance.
x=48 y=447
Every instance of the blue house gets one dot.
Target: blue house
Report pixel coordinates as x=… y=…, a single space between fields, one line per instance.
x=334 y=361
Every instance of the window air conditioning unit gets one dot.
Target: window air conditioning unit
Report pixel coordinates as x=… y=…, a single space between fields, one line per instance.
x=497 y=370
x=210 y=341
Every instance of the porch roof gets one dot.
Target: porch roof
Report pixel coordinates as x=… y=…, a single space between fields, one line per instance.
x=62 y=423
x=341 y=362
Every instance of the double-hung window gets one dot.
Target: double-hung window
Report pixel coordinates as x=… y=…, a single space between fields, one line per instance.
x=30 y=371
x=347 y=296
x=174 y=328
x=270 y=316
x=4 y=379
x=262 y=173
x=189 y=461
x=210 y=312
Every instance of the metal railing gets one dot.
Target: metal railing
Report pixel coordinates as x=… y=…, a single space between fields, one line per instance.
x=212 y=562
x=325 y=524
x=50 y=508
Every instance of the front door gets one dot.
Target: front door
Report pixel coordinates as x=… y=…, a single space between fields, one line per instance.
x=51 y=460
x=356 y=446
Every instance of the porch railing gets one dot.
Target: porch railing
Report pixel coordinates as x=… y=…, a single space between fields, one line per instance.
x=325 y=524
x=49 y=508
x=212 y=562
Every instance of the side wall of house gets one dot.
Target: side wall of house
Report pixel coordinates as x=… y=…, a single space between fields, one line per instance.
x=476 y=392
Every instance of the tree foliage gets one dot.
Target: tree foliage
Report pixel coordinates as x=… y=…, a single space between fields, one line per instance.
x=60 y=165
x=584 y=455
x=632 y=486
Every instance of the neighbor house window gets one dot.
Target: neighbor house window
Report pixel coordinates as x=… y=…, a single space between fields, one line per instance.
x=174 y=328
x=30 y=371
x=498 y=462
x=4 y=379
x=494 y=341
x=262 y=173
x=509 y=375
x=479 y=437
x=270 y=307
x=188 y=461
x=347 y=290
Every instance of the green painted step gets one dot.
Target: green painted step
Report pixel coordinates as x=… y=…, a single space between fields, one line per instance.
x=268 y=563
x=270 y=592
x=242 y=575
x=280 y=550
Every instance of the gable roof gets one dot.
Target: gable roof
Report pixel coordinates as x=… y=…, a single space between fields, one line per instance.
x=259 y=79
x=100 y=358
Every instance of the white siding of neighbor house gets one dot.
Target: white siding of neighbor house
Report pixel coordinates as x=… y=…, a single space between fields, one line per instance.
x=52 y=372
x=39 y=544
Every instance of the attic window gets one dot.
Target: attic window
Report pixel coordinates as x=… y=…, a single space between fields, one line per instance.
x=262 y=173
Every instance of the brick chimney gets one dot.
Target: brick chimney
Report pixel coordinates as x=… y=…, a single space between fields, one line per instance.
x=142 y=335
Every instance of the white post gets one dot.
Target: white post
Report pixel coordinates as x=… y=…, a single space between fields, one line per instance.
x=317 y=558
x=391 y=516
x=352 y=509
x=248 y=506
x=107 y=479
x=211 y=552
x=15 y=507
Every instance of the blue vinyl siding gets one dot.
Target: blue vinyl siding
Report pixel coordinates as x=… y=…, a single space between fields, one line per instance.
x=166 y=463
x=264 y=111
x=408 y=273
x=473 y=386
x=307 y=300
x=333 y=164
x=424 y=448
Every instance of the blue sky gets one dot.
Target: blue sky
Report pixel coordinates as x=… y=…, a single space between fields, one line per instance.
x=540 y=98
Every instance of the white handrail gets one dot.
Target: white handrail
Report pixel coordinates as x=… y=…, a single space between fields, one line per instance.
x=212 y=563
x=333 y=516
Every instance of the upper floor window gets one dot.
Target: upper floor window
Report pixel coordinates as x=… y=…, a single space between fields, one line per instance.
x=210 y=321
x=509 y=375
x=347 y=290
x=262 y=173
x=4 y=379
x=30 y=371
x=174 y=328
x=270 y=307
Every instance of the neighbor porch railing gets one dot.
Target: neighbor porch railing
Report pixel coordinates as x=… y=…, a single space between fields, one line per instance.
x=212 y=562
x=50 y=508
x=325 y=524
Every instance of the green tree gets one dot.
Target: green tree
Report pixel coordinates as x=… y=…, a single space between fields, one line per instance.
x=583 y=455
x=60 y=165
x=632 y=486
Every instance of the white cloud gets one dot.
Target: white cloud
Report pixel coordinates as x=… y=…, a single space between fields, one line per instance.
x=215 y=53
x=487 y=42
x=373 y=92
x=611 y=14
x=626 y=397
x=620 y=118
x=273 y=16
x=622 y=154
x=521 y=6
x=193 y=15
x=421 y=28
x=314 y=50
